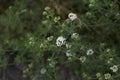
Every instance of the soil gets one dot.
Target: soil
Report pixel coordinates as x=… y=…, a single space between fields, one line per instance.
x=12 y=73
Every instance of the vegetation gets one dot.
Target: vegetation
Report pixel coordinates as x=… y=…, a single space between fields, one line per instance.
x=61 y=39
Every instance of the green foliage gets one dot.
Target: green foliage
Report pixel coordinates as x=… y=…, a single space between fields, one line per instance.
x=90 y=47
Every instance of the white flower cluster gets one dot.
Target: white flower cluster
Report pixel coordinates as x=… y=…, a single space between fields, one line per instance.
x=60 y=41
x=68 y=53
x=75 y=36
x=114 y=68
x=90 y=52
x=82 y=59
x=68 y=46
x=72 y=16
x=52 y=64
x=50 y=38
x=43 y=71
x=107 y=76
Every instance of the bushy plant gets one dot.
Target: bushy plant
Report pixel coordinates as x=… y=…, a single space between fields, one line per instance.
x=84 y=46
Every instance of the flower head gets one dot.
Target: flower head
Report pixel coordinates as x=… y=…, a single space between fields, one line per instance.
x=82 y=59
x=75 y=36
x=68 y=53
x=60 y=41
x=52 y=63
x=68 y=46
x=50 y=38
x=90 y=52
x=43 y=71
x=56 y=19
x=114 y=68
x=107 y=76
x=72 y=16
x=44 y=13
x=98 y=75
x=47 y=8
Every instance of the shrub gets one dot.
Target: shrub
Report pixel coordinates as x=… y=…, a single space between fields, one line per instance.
x=84 y=45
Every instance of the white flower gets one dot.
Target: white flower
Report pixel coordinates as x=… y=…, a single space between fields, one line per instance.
x=107 y=76
x=90 y=52
x=60 y=41
x=72 y=16
x=50 y=38
x=68 y=53
x=43 y=71
x=74 y=35
x=47 y=8
x=114 y=68
x=82 y=59
x=24 y=10
x=68 y=46
x=52 y=64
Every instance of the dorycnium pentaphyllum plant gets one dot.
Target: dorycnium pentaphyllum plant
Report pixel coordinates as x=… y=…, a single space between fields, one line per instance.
x=45 y=46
